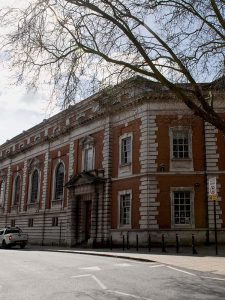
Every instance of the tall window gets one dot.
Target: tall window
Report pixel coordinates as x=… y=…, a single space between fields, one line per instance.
x=34 y=187
x=182 y=207
x=59 y=181
x=126 y=150
x=2 y=193
x=17 y=190
x=88 y=159
x=125 y=209
x=180 y=144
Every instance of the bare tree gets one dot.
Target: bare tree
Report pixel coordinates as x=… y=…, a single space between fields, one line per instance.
x=71 y=44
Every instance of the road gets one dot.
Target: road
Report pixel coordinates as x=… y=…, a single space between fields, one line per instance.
x=39 y=275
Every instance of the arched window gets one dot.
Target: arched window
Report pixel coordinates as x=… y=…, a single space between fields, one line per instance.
x=17 y=190
x=59 y=181
x=34 y=187
x=2 y=193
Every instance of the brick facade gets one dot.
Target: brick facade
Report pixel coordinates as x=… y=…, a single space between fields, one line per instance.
x=123 y=173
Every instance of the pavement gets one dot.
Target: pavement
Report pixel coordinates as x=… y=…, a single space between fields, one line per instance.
x=204 y=261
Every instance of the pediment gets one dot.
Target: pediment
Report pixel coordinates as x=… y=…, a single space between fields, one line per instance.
x=87 y=141
x=84 y=178
x=34 y=163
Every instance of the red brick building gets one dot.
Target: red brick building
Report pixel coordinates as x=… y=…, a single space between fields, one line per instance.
x=135 y=161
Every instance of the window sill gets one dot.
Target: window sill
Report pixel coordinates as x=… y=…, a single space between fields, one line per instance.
x=181 y=159
x=57 y=200
x=15 y=206
x=126 y=227
x=125 y=165
x=32 y=204
x=57 y=203
x=183 y=226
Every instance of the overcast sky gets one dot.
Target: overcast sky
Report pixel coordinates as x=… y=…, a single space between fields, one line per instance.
x=19 y=109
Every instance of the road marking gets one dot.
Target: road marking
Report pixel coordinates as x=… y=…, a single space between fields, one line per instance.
x=102 y=286
x=95 y=268
x=99 y=282
x=80 y=276
x=214 y=278
x=128 y=295
x=156 y=266
x=123 y=265
x=182 y=271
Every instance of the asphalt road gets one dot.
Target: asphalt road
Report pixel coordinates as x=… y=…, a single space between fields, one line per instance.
x=26 y=274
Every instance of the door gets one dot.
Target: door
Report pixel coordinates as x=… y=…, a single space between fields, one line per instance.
x=88 y=220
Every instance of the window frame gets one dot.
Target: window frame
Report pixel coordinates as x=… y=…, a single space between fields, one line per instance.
x=122 y=138
x=55 y=221
x=54 y=198
x=120 y=195
x=181 y=129
x=31 y=222
x=31 y=186
x=192 y=217
x=14 y=190
x=91 y=149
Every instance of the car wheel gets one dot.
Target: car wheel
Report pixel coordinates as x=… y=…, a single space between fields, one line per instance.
x=22 y=246
x=4 y=244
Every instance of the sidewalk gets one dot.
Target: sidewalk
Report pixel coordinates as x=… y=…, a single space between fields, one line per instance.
x=204 y=261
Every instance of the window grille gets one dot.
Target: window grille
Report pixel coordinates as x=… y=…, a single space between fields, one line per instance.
x=34 y=187
x=180 y=144
x=126 y=150
x=125 y=206
x=182 y=207
x=59 y=181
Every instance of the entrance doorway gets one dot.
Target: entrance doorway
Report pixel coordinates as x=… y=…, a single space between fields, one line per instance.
x=88 y=220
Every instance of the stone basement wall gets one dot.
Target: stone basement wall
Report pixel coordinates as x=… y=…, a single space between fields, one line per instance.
x=185 y=237
x=42 y=232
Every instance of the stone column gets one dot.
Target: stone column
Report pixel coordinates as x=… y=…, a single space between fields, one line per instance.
x=149 y=184
x=107 y=165
x=8 y=186
x=212 y=169
x=24 y=184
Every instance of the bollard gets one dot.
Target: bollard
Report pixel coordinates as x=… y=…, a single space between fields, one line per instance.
x=128 y=243
x=123 y=243
x=177 y=243
x=137 y=242
x=163 y=243
x=193 y=245
x=111 y=246
x=149 y=242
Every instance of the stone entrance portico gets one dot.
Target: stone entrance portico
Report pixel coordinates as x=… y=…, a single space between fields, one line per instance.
x=86 y=198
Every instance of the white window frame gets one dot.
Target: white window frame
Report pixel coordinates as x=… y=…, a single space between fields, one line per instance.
x=122 y=193
x=85 y=148
x=54 y=181
x=123 y=137
x=189 y=132
x=89 y=149
x=30 y=186
x=125 y=169
x=192 y=217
